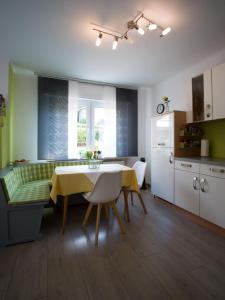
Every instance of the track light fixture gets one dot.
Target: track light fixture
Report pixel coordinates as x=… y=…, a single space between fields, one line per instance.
x=99 y=40
x=133 y=24
x=165 y=31
x=115 y=43
x=141 y=31
x=152 y=26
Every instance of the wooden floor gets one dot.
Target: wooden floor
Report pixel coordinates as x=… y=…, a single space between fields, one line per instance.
x=164 y=255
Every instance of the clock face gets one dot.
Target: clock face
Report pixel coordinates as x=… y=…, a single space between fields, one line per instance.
x=160 y=108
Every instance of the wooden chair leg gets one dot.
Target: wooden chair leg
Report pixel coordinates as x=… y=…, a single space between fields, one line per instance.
x=106 y=210
x=97 y=223
x=132 y=200
x=65 y=212
x=126 y=208
x=116 y=213
x=142 y=202
x=87 y=214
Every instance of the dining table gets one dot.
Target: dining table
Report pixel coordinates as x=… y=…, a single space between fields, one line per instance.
x=69 y=180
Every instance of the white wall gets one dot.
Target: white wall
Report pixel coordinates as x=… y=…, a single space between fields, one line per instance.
x=25 y=118
x=144 y=126
x=178 y=87
x=4 y=66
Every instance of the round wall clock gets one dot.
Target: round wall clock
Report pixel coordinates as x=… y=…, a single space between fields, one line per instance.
x=160 y=108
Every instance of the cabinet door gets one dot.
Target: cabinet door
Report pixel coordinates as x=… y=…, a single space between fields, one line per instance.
x=162 y=174
x=162 y=131
x=187 y=191
x=212 y=199
x=218 y=85
x=202 y=96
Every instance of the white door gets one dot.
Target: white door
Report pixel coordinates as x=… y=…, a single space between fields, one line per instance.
x=218 y=86
x=187 y=191
x=212 y=199
x=162 y=131
x=162 y=173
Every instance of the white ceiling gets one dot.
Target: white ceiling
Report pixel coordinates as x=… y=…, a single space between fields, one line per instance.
x=55 y=37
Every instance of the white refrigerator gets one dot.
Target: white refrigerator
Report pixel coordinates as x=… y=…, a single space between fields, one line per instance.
x=162 y=156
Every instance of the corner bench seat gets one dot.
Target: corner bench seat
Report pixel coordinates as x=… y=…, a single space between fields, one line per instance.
x=30 y=192
x=24 y=192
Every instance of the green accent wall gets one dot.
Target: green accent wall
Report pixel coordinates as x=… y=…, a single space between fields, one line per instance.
x=214 y=131
x=6 y=132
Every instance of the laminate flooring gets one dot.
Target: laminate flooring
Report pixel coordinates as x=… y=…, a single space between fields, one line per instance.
x=163 y=255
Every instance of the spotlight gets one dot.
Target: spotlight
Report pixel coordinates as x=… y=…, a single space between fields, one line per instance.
x=98 y=40
x=166 y=31
x=152 y=26
x=140 y=30
x=115 y=43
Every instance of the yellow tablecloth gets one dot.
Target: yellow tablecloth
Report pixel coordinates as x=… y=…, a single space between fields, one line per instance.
x=80 y=179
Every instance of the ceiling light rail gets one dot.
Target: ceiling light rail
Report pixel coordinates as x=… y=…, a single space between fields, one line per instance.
x=132 y=24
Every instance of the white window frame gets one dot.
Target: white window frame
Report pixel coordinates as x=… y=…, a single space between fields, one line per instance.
x=90 y=105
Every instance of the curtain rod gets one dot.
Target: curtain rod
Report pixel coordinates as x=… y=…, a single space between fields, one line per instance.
x=84 y=80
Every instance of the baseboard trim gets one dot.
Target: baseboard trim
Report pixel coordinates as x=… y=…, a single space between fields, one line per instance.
x=195 y=219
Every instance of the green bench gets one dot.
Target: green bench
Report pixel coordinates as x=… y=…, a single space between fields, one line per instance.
x=24 y=192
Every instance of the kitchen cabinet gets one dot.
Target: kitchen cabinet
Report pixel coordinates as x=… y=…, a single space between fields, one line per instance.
x=187 y=186
x=200 y=189
x=212 y=194
x=218 y=87
x=202 y=97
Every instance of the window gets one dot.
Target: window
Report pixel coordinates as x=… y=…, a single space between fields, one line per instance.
x=91 y=119
x=90 y=126
x=71 y=120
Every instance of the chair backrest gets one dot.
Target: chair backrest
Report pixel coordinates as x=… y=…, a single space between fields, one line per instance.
x=140 y=168
x=107 y=187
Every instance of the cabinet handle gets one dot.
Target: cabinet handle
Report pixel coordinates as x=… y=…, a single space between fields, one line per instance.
x=186 y=165
x=171 y=158
x=195 y=180
x=202 y=185
x=161 y=144
x=217 y=170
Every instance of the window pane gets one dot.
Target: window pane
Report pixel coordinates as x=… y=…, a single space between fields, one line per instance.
x=81 y=129
x=98 y=128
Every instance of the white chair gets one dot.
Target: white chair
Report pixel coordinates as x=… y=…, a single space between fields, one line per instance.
x=105 y=192
x=140 y=169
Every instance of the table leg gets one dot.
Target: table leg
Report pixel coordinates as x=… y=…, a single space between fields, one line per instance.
x=65 y=211
x=126 y=208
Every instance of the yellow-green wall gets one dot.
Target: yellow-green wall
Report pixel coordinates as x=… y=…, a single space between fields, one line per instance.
x=214 y=131
x=6 y=132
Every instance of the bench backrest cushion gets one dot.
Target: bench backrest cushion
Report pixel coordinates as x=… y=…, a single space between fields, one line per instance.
x=12 y=181
x=39 y=171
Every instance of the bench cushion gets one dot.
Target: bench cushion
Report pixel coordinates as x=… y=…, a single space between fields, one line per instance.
x=12 y=181
x=39 y=171
x=32 y=191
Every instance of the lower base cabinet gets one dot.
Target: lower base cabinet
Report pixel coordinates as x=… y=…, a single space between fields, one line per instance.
x=212 y=200
x=187 y=191
x=202 y=191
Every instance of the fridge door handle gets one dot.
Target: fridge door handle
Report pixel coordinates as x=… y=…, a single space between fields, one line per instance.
x=171 y=157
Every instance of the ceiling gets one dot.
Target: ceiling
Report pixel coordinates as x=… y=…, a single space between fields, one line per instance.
x=56 y=37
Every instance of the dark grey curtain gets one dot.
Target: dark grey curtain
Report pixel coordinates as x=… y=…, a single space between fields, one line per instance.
x=52 y=118
x=126 y=122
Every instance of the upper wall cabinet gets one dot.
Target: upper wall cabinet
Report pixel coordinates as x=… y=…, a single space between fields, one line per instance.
x=218 y=86
x=202 y=97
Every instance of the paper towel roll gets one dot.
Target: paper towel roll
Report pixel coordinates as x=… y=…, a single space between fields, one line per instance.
x=204 y=148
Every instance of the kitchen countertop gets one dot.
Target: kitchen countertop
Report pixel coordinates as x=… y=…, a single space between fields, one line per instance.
x=204 y=160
